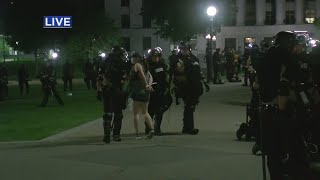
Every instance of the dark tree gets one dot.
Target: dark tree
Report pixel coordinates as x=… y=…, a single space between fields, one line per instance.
x=181 y=19
x=24 y=23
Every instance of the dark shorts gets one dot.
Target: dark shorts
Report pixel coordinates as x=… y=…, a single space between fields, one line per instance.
x=140 y=96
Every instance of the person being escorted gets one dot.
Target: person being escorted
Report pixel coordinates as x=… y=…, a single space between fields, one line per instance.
x=141 y=81
x=114 y=71
x=190 y=84
x=160 y=97
x=49 y=81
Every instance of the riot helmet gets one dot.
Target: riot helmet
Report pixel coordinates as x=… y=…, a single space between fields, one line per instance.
x=184 y=48
x=285 y=39
x=120 y=52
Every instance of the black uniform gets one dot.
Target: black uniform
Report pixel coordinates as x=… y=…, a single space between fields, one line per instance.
x=67 y=76
x=89 y=75
x=23 y=78
x=282 y=133
x=188 y=81
x=159 y=71
x=49 y=82
x=113 y=70
x=3 y=82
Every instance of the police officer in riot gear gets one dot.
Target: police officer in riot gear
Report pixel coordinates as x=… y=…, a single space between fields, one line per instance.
x=281 y=129
x=188 y=80
x=49 y=81
x=157 y=103
x=114 y=72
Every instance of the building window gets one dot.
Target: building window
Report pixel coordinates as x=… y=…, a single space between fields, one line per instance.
x=230 y=43
x=146 y=22
x=146 y=43
x=270 y=18
x=250 y=12
x=126 y=43
x=125 y=21
x=290 y=17
x=124 y=3
x=230 y=19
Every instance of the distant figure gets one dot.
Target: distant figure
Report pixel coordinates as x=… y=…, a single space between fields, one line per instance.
x=3 y=82
x=48 y=80
x=67 y=76
x=89 y=74
x=23 y=78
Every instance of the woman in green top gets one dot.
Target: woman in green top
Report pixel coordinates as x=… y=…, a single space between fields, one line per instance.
x=141 y=88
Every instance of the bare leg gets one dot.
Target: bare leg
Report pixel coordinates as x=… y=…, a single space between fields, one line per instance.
x=148 y=119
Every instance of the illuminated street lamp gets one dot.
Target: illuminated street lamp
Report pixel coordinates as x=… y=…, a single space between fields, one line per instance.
x=103 y=55
x=54 y=55
x=211 y=11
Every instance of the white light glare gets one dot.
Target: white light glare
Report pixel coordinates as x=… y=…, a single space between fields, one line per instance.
x=211 y=11
x=54 y=55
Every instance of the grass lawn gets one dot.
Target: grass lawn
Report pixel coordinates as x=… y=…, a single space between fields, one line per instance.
x=21 y=119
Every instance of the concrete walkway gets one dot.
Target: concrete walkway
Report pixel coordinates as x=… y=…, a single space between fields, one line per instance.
x=79 y=154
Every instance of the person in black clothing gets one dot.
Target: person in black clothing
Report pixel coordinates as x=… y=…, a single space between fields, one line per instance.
x=3 y=82
x=161 y=90
x=217 y=63
x=89 y=74
x=67 y=76
x=49 y=81
x=23 y=78
x=172 y=63
x=189 y=82
x=282 y=130
x=114 y=71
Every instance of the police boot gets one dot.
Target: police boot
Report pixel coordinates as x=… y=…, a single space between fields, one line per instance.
x=107 y=127
x=256 y=148
x=242 y=130
x=117 y=123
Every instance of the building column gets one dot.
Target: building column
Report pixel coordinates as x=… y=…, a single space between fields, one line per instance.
x=260 y=11
x=318 y=7
x=299 y=11
x=280 y=14
x=241 y=5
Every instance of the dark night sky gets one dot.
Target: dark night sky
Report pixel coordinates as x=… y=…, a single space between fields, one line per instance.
x=51 y=7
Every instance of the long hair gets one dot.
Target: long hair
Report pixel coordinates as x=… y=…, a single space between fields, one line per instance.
x=145 y=64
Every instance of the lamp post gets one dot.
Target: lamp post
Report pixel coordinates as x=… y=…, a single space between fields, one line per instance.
x=211 y=12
